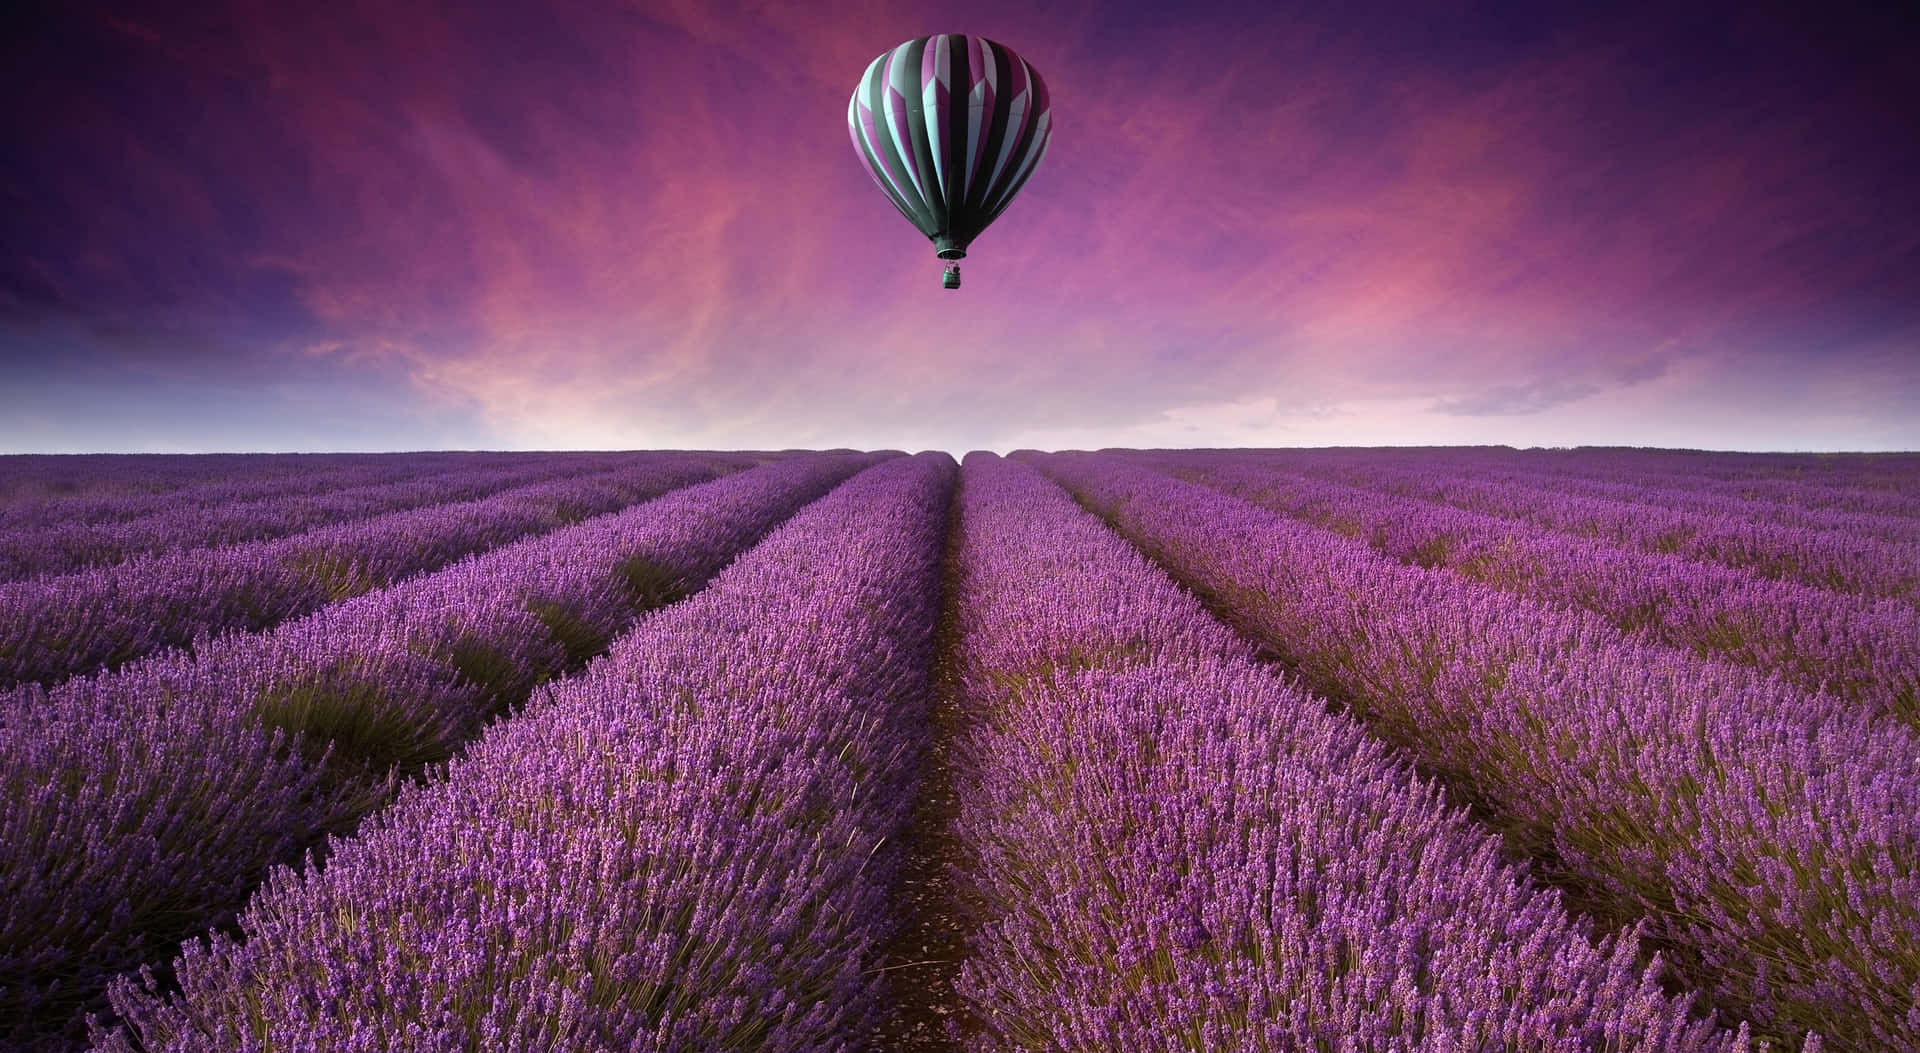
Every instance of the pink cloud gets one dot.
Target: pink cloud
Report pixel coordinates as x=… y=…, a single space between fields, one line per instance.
x=645 y=222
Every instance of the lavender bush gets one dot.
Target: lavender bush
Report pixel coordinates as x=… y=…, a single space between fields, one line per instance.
x=1736 y=535
x=56 y=627
x=1761 y=486
x=1175 y=849
x=1769 y=838
x=140 y=806
x=1780 y=508
x=1854 y=647
x=62 y=547
x=1659 y=801
x=79 y=488
x=688 y=847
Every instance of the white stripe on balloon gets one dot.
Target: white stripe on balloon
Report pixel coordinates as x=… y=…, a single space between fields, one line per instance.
x=870 y=137
x=1016 y=115
x=1042 y=134
x=896 y=69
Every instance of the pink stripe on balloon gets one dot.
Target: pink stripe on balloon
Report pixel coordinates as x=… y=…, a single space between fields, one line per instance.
x=1021 y=83
x=987 y=80
x=936 y=72
x=975 y=118
x=1017 y=84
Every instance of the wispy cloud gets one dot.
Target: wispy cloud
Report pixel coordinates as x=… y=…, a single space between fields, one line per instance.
x=1516 y=400
x=641 y=223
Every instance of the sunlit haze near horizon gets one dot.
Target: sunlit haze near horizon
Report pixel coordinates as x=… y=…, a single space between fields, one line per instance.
x=406 y=225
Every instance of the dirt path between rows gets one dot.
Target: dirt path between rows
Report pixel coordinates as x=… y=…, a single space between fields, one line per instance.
x=923 y=960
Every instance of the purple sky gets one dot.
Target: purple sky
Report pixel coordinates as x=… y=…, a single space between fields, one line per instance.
x=401 y=225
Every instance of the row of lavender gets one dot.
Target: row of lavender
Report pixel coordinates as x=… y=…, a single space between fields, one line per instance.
x=1769 y=838
x=688 y=847
x=140 y=806
x=1738 y=534
x=1787 y=504
x=1865 y=483
x=1889 y=470
x=1636 y=477
x=1174 y=848
x=1828 y=479
x=51 y=628
x=1860 y=649
x=41 y=481
x=61 y=547
x=72 y=490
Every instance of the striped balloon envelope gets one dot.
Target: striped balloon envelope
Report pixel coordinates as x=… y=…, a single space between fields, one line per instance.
x=950 y=127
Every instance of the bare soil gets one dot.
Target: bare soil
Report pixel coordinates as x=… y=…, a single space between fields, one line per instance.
x=923 y=960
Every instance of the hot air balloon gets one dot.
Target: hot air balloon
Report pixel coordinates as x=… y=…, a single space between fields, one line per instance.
x=950 y=127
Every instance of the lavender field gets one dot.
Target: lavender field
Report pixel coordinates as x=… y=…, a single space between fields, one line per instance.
x=1450 y=748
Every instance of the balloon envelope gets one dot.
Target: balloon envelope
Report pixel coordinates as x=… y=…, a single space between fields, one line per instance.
x=950 y=126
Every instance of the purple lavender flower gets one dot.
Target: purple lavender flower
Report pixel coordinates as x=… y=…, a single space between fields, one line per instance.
x=1766 y=836
x=142 y=805
x=688 y=846
x=1175 y=848
x=1854 y=646
x=55 y=627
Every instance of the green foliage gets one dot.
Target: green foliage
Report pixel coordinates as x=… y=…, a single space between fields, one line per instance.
x=338 y=573
x=500 y=677
x=576 y=636
x=568 y=511
x=368 y=731
x=648 y=584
